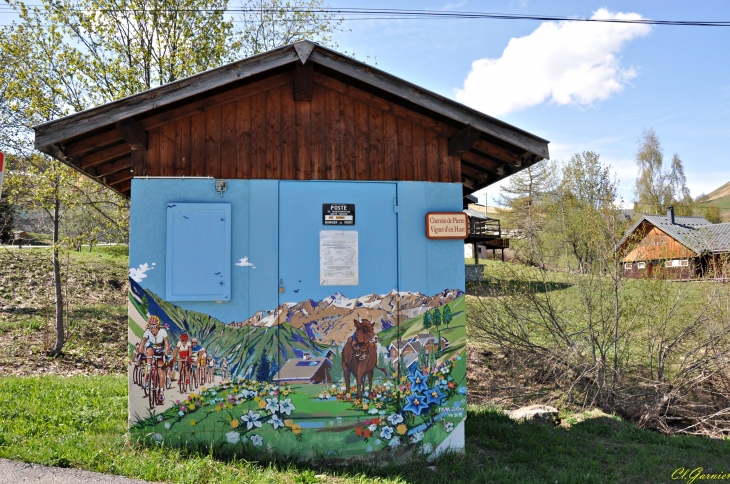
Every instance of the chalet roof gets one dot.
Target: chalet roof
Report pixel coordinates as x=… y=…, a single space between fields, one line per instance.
x=475 y=214
x=696 y=233
x=100 y=142
x=300 y=368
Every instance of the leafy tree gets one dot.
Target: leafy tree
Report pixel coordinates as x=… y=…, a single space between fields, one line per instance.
x=584 y=196
x=263 y=369
x=144 y=307
x=7 y=220
x=65 y=56
x=267 y=24
x=658 y=186
x=427 y=320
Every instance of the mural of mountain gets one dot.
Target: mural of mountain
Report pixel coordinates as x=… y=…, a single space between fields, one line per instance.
x=243 y=346
x=330 y=321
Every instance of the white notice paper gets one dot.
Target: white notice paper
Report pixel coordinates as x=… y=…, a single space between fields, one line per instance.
x=338 y=258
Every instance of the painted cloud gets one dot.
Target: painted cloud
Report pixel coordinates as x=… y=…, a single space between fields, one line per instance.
x=245 y=263
x=140 y=272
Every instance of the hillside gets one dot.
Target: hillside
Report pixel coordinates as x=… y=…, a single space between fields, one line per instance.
x=720 y=198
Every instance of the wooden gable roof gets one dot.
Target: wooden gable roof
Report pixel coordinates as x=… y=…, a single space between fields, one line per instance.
x=302 y=112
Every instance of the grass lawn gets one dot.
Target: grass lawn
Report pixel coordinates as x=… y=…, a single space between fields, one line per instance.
x=81 y=422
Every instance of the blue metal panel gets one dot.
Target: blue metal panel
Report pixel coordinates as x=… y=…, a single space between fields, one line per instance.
x=198 y=252
x=300 y=223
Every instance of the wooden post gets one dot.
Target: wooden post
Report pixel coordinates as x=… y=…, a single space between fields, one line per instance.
x=475 y=248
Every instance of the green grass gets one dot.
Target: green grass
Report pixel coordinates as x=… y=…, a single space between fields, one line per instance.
x=81 y=422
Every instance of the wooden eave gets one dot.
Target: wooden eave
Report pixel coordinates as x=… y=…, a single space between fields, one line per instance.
x=103 y=142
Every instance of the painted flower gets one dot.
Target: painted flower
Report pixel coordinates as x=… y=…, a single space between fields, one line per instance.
x=462 y=390
x=296 y=428
x=233 y=437
x=367 y=433
x=376 y=421
x=395 y=419
x=286 y=406
x=451 y=385
x=401 y=429
x=372 y=411
x=417 y=437
x=448 y=426
x=262 y=404
x=181 y=413
x=157 y=437
x=434 y=396
x=445 y=370
x=427 y=448
x=251 y=419
x=192 y=423
x=373 y=427
x=167 y=425
x=358 y=431
x=418 y=382
x=395 y=442
x=275 y=421
x=257 y=440
x=386 y=433
x=234 y=424
x=416 y=404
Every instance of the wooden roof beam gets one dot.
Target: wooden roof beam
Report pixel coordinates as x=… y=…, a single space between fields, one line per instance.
x=111 y=168
x=133 y=134
x=103 y=156
x=463 y=141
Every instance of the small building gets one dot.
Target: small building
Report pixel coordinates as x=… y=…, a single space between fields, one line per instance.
x=305 y=370
x=675 y=247
x=278 y=189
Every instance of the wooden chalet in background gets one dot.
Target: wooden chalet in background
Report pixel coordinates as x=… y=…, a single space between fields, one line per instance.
x=299 y=112
x=676 y=248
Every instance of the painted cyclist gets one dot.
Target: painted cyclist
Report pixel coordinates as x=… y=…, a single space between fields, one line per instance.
x=155 y=346
x=183 y=351
x=195 y=350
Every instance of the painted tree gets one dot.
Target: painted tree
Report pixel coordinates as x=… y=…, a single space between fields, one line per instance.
x=437 y=323
x=274 y=368
x=447 y=315
x=263 y=369
x=427 y=320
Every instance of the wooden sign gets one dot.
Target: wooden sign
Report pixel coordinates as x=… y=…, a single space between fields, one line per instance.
x=446 y=225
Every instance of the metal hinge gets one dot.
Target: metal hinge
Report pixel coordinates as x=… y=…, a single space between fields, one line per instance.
x=395 y=205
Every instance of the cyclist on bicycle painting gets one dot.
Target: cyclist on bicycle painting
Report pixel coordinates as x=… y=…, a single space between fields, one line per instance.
x=156 y=345
x=225 y=366
x=183 y=351
x=195 y=350
x=211 y=368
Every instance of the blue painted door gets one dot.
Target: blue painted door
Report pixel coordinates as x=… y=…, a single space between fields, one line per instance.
x=301 y=235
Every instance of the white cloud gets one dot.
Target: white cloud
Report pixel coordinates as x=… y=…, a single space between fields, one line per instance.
x=245 y=263
x=567 y=62
x=140 y=272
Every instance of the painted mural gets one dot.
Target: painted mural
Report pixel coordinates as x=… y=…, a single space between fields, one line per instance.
x=338 y=377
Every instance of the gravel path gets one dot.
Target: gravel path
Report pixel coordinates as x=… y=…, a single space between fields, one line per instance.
x=15 y=472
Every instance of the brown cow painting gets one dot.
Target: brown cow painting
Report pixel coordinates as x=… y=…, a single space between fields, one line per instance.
x=360 y=356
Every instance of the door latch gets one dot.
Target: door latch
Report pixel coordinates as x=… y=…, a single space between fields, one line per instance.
x=281 y=285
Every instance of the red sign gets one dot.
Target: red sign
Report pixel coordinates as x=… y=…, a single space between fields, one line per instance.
x=446 y=225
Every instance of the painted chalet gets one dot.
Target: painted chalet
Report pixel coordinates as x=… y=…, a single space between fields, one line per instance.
x=676 y=247
x=305 y=370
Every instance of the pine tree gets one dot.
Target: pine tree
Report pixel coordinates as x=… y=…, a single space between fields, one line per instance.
x=427 y=321
x=274 y=369
x=262 y=372
x=437 y=323
x=447 y=315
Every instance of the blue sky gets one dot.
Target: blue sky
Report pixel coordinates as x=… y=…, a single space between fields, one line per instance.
x=675 y=80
